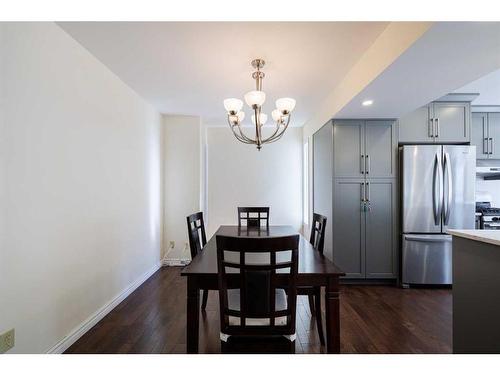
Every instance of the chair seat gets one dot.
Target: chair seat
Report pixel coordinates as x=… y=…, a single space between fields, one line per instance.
x=233 y=297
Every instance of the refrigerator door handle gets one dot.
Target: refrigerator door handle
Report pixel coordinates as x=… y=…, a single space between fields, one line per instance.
x=436 y=190
x=431 y=238
x=448 y=195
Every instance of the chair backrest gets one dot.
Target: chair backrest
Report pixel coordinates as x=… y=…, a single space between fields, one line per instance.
x=253 y=267
x=196 y=233
x=253 y=216
x=318 y=229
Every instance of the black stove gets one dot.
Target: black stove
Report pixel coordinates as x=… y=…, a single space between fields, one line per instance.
x=489 y=216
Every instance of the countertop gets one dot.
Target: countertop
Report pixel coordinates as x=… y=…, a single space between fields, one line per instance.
x=488 y=236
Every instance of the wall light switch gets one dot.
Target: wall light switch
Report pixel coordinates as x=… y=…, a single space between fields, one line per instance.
x=7 y=340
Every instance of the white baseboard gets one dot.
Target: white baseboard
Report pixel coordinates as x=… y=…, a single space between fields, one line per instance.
x=83 y=328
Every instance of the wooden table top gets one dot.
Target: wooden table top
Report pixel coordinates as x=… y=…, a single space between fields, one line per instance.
x=311 y=262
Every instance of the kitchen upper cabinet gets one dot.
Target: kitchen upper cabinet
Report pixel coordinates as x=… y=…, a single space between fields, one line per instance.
x=349 y=227
x=380 y=229
x=437 y=122
x=348 y=146
x=494 y=134
x=417 y=126
x=486 y=135
x=479 y=134
x=380 y=148
x=364 y=148
x=451 y=122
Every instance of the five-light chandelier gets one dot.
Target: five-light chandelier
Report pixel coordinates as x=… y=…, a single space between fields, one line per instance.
x=255 y=99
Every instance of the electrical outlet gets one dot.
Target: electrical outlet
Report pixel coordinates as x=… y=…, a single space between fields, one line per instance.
x=171 y=244
x=7 y=340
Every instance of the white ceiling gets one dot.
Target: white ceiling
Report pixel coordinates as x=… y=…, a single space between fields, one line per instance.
x=446 y=57
x=190 y=68
x=488 y=88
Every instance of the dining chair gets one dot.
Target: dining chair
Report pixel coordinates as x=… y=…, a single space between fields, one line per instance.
x=253 y=216
x=197 y=239
x=251 y=303
x=317 y=240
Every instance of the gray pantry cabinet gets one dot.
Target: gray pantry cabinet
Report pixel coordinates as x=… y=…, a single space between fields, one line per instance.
x=364 y=194
x=437 y=122
x=486 y=134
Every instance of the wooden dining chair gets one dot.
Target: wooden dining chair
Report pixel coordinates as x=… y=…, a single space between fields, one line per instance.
x=251 y=303
x=197 y=239
x=253 y=216
x=317 y=240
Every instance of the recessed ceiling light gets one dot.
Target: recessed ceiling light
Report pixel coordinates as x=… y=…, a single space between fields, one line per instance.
x=366 y=103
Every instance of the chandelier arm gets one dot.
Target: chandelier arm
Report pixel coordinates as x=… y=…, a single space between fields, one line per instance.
x=278 y=137
x=245 y=137
x=272 y=135
x=242 y=139
x=275 y=136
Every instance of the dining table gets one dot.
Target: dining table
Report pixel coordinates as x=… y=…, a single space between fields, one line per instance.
x=314 y=269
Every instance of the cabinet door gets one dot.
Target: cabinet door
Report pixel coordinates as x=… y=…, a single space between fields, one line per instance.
x=479 y=134
x=348 y=148
x=380 y=149
x=416 y=127
x=381 y=229
x=323 y=179
x=349 y=227
x=494 y=135
x=452 y=122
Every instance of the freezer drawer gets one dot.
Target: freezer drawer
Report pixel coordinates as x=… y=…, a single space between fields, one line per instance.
x=426 y=259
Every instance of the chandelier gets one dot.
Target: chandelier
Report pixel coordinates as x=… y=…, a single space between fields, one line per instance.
x=255 y=99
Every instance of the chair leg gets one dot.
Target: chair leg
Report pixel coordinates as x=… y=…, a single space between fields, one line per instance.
x=311 y=303
x=205 y=299
x=319 y=320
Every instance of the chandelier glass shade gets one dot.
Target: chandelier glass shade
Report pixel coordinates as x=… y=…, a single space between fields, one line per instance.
x=255 y=100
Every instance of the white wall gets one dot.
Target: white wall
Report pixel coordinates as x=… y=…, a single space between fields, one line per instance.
x=80 y=185
x=239 y=175
x=182 y=180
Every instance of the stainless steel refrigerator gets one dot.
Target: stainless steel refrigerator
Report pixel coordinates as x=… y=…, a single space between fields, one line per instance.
x=437 y=193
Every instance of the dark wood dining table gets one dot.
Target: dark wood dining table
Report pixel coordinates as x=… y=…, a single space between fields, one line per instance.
x=314 y=270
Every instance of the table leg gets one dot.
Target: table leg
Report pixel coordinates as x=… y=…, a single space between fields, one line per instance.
x=193 y=315
x=332 y=304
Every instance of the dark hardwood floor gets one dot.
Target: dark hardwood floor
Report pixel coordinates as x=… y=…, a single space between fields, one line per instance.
x=374 y=319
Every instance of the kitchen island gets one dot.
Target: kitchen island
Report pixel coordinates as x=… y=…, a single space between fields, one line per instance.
x=476 y=291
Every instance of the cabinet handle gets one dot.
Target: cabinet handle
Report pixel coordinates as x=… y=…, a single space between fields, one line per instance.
x=367 y=159
x=362 y=164
x=491 y=148
x=368 y=196
x=363 y=197
x=437 y=128
x=485 y=146
x=431 y=128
